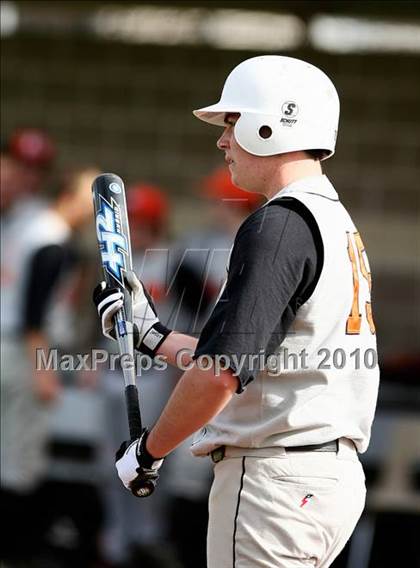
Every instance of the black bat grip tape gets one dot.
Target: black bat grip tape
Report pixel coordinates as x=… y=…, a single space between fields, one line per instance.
x=133 y=411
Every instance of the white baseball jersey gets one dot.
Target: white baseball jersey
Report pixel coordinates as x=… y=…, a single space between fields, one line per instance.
x=24 y=419
x=321 y=381
x=20 y=241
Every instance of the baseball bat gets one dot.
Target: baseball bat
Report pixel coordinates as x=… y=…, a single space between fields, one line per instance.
x=113 y=234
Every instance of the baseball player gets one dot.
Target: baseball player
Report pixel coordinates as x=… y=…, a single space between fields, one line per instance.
x=286 y=414
x=35 y=310
x=35 y=152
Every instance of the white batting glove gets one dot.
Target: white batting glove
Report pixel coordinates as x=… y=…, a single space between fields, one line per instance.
x=149 y=332
x=136 y=468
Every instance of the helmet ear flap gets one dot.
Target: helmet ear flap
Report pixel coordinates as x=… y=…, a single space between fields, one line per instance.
x=268 y=135
x=257 y=134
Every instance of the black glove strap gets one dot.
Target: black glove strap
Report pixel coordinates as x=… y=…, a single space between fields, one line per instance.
x=145 y=459
x=154 y=339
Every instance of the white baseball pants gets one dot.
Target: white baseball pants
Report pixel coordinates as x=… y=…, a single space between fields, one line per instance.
x=273 y=509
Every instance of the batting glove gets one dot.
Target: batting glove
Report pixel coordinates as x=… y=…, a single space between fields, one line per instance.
x=137 y=469
x=149 y=332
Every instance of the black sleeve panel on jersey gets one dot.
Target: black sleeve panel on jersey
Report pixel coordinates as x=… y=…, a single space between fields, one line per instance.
x=275 y=264
x=44 y=270
x=189 y=285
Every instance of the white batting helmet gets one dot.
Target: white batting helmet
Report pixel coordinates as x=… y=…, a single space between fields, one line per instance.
x=285 y=105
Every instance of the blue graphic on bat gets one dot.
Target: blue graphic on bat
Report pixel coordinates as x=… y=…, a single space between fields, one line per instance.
x=112 y=242
x=122 y=328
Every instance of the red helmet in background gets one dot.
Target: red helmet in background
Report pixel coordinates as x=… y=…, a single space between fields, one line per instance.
x=147 y=204
x=218 y=186
x=32 y=146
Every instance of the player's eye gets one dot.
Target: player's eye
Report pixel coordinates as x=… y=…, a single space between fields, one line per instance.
x=230 y=120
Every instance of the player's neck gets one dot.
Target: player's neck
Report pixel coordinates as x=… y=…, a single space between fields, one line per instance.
x=63 y=211
x=296 y=166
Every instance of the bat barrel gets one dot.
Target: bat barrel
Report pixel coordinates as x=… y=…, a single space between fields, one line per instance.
x=113 y=233
x=108 y=183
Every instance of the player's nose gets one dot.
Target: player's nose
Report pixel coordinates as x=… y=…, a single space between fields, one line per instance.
x=224 y=141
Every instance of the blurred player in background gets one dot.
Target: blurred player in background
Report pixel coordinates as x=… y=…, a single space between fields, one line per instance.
x=200 y=265
x=27 y=161
x=136 y=531
x=199 y=271
x=9 y=184
x=35 y=263
x=35 y=152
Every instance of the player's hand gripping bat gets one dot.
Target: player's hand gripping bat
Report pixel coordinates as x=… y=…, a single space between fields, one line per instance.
x=113 y=235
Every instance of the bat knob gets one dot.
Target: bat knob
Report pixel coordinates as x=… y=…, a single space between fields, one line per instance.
x=147 y=489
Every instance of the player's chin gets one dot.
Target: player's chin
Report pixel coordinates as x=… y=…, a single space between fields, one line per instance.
x=234 y=176
x=240 y=181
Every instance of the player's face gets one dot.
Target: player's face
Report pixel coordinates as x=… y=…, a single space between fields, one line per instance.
x=81 y=198
x=10 y=181
x=245 y=169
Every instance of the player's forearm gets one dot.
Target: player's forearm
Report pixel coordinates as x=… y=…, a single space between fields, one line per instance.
x=35 y=339
x=45 y=382
x=198 y=397
x=178 y=348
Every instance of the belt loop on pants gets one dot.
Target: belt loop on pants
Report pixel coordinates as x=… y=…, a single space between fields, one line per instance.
x=218 y=454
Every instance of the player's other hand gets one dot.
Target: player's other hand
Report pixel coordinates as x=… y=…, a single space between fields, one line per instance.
x=46 y=385
x=149 y=333
x=137 y=469
x=107 y=301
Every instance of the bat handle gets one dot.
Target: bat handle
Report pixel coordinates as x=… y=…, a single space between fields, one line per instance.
x=125 y=341
x=133 y=411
